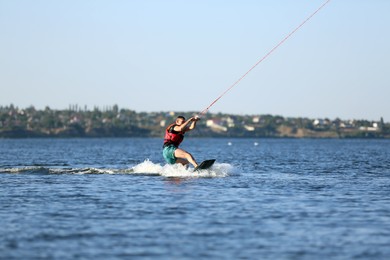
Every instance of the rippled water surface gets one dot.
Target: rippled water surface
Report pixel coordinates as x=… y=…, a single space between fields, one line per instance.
x=263 y=199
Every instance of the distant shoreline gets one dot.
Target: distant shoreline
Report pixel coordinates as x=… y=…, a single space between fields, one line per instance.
x=115 y=122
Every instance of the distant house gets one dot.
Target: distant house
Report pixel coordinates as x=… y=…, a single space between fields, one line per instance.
x=373 y=128
x=216 y=125
x=318 y=122
x=249 y=128
x=229 y=121
x=74 y=120
x=348 y=125
x=321 y=122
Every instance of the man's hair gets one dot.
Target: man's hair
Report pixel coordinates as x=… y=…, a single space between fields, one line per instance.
x=182 y=117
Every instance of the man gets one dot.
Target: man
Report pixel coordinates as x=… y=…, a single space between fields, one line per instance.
x=174 y=135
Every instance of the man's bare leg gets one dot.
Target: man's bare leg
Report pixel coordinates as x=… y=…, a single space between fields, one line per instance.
x=184 y=157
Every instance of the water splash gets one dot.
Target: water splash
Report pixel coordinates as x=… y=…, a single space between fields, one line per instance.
x=218 y=170
x=57 y=170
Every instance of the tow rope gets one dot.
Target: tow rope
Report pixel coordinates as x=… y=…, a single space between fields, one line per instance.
x=204 y=111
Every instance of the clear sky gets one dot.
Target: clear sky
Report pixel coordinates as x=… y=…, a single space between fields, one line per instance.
x=154 y=55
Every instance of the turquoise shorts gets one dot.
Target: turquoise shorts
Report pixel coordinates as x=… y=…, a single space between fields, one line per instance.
x=169 y=154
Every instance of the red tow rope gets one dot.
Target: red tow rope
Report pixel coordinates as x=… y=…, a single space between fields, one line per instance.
x=263 y=58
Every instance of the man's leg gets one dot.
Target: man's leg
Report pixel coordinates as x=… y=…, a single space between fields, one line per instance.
x=184 y=157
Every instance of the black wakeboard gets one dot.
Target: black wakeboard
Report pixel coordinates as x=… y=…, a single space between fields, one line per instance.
x=205 y=165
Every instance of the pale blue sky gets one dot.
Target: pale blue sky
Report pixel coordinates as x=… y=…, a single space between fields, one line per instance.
x=181 y=55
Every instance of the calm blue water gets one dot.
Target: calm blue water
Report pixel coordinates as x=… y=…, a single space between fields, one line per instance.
x=264 y=199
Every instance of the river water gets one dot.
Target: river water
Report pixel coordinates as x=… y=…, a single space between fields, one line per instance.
x=263 y=199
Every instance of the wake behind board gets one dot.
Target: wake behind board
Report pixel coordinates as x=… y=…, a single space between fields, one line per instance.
x=205 y=165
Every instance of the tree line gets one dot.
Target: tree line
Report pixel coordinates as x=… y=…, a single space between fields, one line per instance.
x=111 y=121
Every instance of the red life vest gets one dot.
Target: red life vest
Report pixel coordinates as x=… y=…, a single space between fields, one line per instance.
x=172 y=136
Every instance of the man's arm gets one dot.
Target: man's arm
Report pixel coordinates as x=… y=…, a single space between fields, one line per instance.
x=193 y=123
x=184 y=127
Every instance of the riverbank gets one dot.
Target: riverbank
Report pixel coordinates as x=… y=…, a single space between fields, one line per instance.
x=115 y=122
